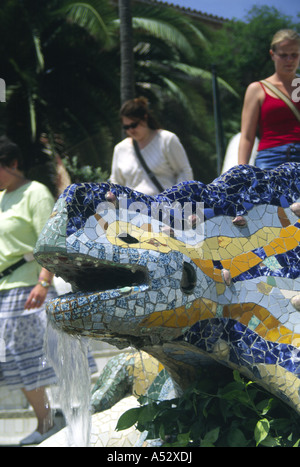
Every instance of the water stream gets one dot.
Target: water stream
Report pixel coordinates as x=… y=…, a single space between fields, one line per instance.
x=68 y=356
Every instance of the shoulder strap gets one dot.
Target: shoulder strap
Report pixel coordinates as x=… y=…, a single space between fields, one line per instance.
x=282 y=97
x=146 y=168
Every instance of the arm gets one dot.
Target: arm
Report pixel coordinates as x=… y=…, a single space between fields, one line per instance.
x=38 y=294
x=250 y=117
x=41 y=211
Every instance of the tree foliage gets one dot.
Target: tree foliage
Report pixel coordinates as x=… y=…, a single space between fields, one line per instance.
x=62 y=71
x=221 y=409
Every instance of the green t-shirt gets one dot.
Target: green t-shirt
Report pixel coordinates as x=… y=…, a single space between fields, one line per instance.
x=23 y=214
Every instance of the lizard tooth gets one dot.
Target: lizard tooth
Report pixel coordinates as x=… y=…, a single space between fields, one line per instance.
x=240 y=221
x=226 y=276
x=295 y=301
x=295 y=208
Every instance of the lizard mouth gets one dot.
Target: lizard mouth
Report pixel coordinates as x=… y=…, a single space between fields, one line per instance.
x=94 y=275
x=89 y=275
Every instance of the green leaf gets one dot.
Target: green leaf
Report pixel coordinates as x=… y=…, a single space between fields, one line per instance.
x=38 y=50
x=261 y=430
x=296 y=444
x=88 y=15
x=183 y=438
x=237 y=377
x=235 y=391
x=281 y=424
x=147 y=413
x=264 y=406
x=204 y=407
x=32 y=114
x=162 y=431
x=204 y=444
x=270 y=442
x=166 y=32
x=236 y=438
x=210 y=438
x=129 y=418
x=232 y=387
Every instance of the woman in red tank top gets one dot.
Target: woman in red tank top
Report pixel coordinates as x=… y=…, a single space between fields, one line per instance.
x=263 y=110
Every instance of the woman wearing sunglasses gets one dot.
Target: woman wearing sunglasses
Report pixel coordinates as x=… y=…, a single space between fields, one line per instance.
x=149 y=159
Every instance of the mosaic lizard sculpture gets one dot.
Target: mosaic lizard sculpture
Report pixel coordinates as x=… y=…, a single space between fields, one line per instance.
x=144 y=274
x=130 y=373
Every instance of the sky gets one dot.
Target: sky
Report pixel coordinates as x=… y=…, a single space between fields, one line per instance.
x=238 y=8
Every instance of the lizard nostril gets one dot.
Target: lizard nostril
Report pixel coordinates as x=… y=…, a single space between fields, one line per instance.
x=188 y=279
x=127 y=238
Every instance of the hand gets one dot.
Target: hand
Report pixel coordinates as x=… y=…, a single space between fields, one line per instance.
x=36 y=297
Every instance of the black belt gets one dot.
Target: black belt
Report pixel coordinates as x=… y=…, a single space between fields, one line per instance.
x=12 y=268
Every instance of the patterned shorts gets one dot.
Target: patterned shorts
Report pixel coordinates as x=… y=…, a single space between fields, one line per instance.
x=22 y=358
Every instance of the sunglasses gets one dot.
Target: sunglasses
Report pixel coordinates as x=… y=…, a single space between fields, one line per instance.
x=131 y=126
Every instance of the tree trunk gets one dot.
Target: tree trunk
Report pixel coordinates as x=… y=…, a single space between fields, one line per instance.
x=127 y=83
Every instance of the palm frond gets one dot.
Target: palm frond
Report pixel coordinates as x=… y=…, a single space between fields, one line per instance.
x=38 y=51
x=90 y=15
x=32 y=116
x=198 y=34
x=169 y=66
x=167 y=87
x=180 y=25
x=165 y=32
x=196 y=72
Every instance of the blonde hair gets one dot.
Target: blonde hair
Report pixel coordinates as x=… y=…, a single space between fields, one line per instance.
x=283 y=35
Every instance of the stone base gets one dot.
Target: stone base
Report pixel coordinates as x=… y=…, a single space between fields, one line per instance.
x=103 y=433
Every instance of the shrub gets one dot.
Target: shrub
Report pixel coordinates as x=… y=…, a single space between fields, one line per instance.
x=221 y=409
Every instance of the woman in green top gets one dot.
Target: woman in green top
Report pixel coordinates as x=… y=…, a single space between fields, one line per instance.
x=25 y=207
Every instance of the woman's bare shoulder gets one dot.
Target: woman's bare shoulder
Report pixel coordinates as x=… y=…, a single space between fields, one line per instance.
x=254 y=92
x=254 y=87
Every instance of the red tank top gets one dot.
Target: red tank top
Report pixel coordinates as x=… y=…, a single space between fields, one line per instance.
x=277 y=125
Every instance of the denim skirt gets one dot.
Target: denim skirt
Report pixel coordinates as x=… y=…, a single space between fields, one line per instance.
x=273 y=157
